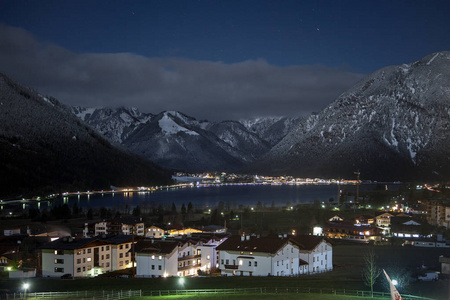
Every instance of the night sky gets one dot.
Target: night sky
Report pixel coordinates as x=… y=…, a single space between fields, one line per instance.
x=212 y=60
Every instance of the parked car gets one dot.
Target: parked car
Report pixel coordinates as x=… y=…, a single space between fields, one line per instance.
x=67 y=276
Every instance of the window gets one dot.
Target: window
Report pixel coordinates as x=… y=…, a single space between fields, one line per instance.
x=249 y=263
x=199 y=251
x=153 y=267
x=227 y=261
x=127 y=262
x=89 y=268
x=59 y=261
x=84 y=251
x=314 y=259
x=103 y=257
x=103 y=248
x=160 y=257
x=292 y=250
x=121 y=263
x=89 y=250
x=208 y=257
x=59 y=270
x=278 y=263
x=256 y=263
x=120 y=255
x=89 y=259
x=84 y=259
x=107 y=264
x=107 y=256
x=153 y=257
x=107 y=248
x=78 y=260
x=221 y=261
x=121 y=247
x=287 y=266
x=59 y=252
x=84 y=269
x=159 y=267
x=78 y=270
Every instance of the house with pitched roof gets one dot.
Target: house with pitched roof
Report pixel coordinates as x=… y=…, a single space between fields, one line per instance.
x=177 y=256
x=274 y=256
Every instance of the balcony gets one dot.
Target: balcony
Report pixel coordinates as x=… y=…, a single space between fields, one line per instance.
x=184 y=268
x=231 y=267
x=189 y=257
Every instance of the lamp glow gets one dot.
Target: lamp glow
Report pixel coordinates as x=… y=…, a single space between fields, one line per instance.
x=394 y=282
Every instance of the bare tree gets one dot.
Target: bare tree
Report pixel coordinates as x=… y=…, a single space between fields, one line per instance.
x=371 y=271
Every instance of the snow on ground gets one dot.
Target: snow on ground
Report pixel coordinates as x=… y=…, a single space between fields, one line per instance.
x=168 y=126
x=431 y=60
x=86 y=111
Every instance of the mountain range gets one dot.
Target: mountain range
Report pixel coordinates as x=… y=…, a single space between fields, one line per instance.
x=177 y=141
x=392 y=125
x=46 y=149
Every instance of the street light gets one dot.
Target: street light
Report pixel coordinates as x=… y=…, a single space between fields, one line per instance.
x=25 y=287
x=394 y=282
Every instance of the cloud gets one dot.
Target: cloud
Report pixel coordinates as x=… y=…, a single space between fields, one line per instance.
x=201 y=89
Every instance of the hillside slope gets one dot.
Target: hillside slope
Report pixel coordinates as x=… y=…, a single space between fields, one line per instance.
x=392 y=125
x=45 y=148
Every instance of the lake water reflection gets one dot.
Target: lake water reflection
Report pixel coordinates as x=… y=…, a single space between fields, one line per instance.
x=211 y=196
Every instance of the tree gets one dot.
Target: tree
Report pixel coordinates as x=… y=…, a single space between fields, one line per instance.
x=371 y=271
x=136 y=211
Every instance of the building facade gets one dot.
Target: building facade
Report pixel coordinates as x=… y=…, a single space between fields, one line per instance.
x=86 y=257
x=274 y=256
x=181 y=256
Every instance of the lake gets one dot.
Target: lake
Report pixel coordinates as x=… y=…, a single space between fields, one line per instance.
x=209 y=197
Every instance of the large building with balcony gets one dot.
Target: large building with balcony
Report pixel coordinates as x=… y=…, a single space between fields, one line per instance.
x=275 y=256
x=86 y=257
x=181 y=256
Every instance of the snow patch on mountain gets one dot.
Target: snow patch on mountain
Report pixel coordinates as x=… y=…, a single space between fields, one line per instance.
x=168 y=126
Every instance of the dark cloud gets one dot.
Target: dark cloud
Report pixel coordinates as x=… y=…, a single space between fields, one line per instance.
x=202 y=89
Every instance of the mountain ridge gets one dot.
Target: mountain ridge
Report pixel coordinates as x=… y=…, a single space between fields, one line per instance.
x=46 y=149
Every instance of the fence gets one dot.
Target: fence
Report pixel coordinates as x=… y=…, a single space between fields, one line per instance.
x=81 y=295
x=118 y=295
x=275 y=290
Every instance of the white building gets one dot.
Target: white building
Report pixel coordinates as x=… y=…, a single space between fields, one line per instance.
x=181 y=256
x=154 y=232
x=275 y=256
x=86 y=257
